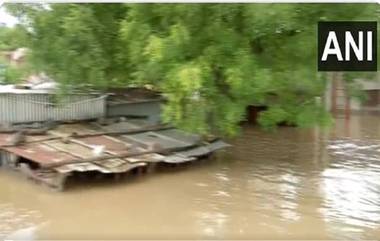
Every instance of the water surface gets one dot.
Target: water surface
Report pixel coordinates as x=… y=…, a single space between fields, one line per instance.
x=292 y=184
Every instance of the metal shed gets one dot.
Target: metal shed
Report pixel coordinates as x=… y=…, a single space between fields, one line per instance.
x=30 y=105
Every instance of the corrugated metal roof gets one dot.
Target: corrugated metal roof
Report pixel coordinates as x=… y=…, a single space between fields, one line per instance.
x=119 y=126
x=56 y=151
x=166 y=138
x=203 y=150
x=107 y=166
x=111 y=144
x=189 y=138
x=178 y=158
x=95 y=142
x=40 y=153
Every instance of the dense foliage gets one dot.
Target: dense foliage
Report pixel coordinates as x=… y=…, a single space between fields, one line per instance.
x=12 y=38
x=210 y=60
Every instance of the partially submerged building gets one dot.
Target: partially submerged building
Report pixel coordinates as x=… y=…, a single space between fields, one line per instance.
x=20 y=105
x=49 y=141
x=337 y=97
x=135 y=102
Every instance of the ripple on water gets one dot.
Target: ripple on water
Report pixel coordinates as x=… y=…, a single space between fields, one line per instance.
x=18 y=222
x=352 y=185
x=291 y=184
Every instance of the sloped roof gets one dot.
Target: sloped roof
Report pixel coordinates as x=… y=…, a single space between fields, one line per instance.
x=61 y=146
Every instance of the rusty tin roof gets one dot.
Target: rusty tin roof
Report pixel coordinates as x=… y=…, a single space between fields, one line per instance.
x=91 y=140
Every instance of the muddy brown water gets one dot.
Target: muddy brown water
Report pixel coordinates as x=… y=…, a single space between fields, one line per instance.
x=292 y=184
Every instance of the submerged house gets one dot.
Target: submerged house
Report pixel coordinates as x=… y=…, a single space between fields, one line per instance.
x=38 y=103
x=114 y=134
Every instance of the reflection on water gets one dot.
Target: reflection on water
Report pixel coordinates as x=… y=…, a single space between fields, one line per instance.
x=18 y=223
x=292 y=184
x=351 y=185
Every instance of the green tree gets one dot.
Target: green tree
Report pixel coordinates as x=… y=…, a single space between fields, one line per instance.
x=210 y=60
x=74 y=43
x=12 y=38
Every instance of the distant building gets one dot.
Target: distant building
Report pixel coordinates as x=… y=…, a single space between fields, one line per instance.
x=16 y=57
x=338 y=100
x=372 y=90
x=40 y=80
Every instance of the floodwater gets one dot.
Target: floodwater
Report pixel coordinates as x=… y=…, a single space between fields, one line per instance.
x=292 y=184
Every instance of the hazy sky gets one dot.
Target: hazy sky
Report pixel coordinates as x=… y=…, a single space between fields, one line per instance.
x=7 y=19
